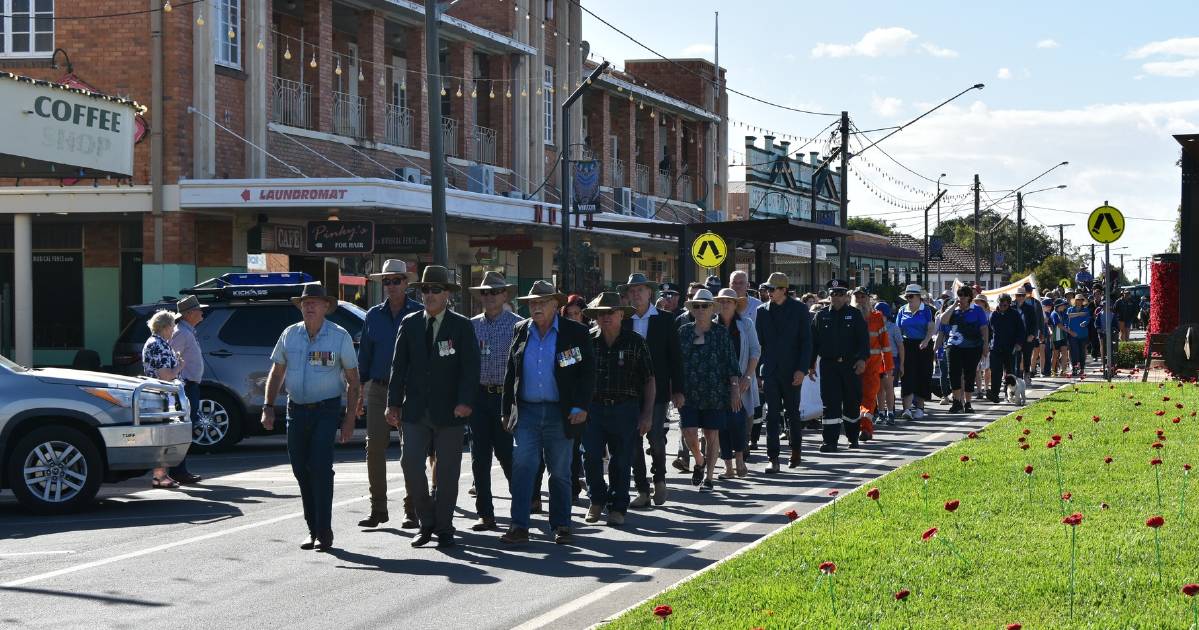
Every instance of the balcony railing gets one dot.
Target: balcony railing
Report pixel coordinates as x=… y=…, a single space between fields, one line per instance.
x=482 y=143
x=641 y=178
x=348 y=114
x=449 y=136
x=291 y=103
x=617 y=173
x=686 y=188
x=664 y=182
x=398 y=121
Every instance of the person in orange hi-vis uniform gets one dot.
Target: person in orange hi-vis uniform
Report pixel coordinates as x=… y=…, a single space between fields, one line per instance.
x=879 y=362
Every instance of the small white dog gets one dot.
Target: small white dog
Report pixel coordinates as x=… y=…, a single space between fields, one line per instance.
x=1013 y=390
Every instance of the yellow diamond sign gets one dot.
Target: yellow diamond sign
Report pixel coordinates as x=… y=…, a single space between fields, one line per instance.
x=708 y=250
x=1106 y=224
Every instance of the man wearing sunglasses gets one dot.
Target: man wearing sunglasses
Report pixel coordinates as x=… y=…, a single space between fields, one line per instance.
x=374 y=360
x=434 y=382
x=784 y=329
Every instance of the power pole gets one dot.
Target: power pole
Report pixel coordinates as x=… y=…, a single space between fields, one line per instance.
x=977 y=276
x=1092 y=260
x=1061 y=237
x=1019 y=232
x=843 y=249
x=441 y=245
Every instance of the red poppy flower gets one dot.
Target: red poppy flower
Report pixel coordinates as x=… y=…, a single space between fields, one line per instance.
x=1051 y=444
x=903 y=593
x=792 y=514
x=964 y=458
x=1026 y=432
x=828 y=568
x=924 y=476
x=1053 y=411
x=1069 y=436
x=1066 y=496
x=1126 y=429
x=1155 y=462
x=833 y=493
x=1028 y=470
x=1024 y=447
x=1094 y=418
x=972 y=435
x=1186 y=468
x=952 y=506
x=663 y=611
x=1160 y=412
x=1056 y=437
x=1107 y=460
x=1160 y=433
x=1165 y=399
x=1103 y=506
x=873 y=494
x=1155 y=522
x=1073 y=520
x=928 y=533
x=1013 y=626
x=1136 y=404
x=1157 y=445
x=1190 y=589
x=1178 y=405
x=1176 y=420
x=1048 y=418
x=1019 y=417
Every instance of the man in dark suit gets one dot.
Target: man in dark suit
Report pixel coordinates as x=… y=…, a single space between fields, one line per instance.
x=434 y=377
x=658 y=331
x=548 y=387
x=784 y=329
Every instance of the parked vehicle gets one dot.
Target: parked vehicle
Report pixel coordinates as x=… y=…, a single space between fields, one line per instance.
x=243 y=317
x=1137 y=291
x=64 y=432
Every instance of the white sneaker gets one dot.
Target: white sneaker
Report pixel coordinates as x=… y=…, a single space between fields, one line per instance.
x=946 y=400
x=917 y=413
x=907 y=414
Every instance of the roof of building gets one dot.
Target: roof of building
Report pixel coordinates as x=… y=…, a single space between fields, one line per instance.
x=956 y=259
x=885 y=251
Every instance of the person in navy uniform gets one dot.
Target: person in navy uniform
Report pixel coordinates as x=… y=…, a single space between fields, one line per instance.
x=841 y=343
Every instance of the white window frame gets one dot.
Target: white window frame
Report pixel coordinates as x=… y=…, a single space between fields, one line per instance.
x=549 y=9
x=6 y=32
x=227 y=52
x=547 y=93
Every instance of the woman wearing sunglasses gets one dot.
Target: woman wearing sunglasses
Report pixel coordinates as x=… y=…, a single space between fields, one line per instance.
x=712 y=384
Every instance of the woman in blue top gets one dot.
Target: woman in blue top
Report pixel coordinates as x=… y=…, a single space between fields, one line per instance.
x=967 y=343
x=1078 y=324
x=917 y=323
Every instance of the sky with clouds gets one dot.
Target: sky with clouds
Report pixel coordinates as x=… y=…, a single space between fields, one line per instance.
x=1101 y=84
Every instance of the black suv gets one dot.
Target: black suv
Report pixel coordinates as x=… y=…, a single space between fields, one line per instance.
x=244 y=315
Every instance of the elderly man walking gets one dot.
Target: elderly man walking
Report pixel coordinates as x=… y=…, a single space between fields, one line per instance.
x=784 y=329
x=374 y=358
x=660 y=335
x=493 y=328
x=434 y=377
x=747 y=307
x=316 y=360
x=622 y=408
x=189 y=314
x=548 y=386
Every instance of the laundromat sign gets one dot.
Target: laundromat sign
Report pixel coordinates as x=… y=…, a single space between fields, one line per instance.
x=63 y=126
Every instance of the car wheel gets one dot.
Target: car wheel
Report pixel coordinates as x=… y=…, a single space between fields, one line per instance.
x=217 y=425
x=55 y=470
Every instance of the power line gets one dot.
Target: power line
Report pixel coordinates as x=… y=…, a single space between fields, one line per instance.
x=1088 y=213
x=904 y=166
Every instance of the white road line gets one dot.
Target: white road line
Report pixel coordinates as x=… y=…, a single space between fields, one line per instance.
x=553 y=615
x=33 y=553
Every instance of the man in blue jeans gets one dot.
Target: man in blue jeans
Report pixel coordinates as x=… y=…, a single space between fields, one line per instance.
x=1078 y=324
x=548 y=386
x=316 y=359
x=622 y=410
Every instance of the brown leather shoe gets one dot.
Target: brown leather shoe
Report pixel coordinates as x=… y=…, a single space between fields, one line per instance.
x=485 y=525
x=515 y=536
x=795 y=460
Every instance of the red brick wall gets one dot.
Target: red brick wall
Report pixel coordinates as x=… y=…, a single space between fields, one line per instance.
x=214 y=244
x=178 y=238
x=230 y=112
x=100 y=245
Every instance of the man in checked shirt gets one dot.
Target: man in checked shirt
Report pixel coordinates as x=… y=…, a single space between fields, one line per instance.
x=493 y=328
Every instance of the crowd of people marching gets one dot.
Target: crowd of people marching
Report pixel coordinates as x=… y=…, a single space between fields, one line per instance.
x=585 y=389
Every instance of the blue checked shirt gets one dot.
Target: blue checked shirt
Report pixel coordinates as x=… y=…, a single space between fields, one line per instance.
x=495 y=339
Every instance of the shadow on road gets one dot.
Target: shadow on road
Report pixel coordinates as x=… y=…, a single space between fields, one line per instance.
x=109 y=598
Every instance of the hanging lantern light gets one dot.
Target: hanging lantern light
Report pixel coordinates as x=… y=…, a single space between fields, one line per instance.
x=443 y=92
x=166 y=6
x=492 y=94
x=459 y=92
x=312 y=64
x=361 y=77
x=474 y=92
x=337 y=70
x=508 y=92
x=287 y=52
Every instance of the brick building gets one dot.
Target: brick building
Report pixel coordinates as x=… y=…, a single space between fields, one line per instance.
x=276 y=113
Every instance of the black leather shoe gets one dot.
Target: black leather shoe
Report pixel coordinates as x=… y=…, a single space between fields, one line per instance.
x=324 y=542
x=445 y=541
x=308 y=543
x=373 y=520
x=410 y=522
x=422 y=539
x=515 y=536
x=188 y=479
x=485 y=525
x=562 y=536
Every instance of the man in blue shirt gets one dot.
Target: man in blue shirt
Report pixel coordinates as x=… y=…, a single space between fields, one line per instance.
x=1078 y=323
x=316 y=359
x=374 y=356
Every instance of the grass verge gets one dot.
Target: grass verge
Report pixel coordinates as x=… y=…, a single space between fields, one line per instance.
x=1004 y=555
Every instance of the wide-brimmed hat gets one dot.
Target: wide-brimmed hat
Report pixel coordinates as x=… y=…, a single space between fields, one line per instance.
x=637 y=280
x=492 y=280
x=541 y=290
x=315 y=290
x=393 y=267
x=913 y=289
x=606 y=302
x=730 y=294
x=702 y=296
x=778 y=280
x=1021 y=291
x=188 y=303
x=436 y=275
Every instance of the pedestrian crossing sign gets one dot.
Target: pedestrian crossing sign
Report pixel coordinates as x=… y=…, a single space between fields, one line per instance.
x=1106 y=224
x=708 y=250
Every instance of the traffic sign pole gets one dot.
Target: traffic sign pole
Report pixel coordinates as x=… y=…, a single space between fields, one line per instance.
x=1107 y=310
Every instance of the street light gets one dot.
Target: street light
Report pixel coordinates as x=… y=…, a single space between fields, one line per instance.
x=1020 y=222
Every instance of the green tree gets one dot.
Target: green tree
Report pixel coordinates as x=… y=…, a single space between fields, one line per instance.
x=869 y=224
x=1052 y=270
x=1038 y=244
x=1177 y=238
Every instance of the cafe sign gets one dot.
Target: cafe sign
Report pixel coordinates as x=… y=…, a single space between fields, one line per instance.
x=65 y=126
x=340 y=237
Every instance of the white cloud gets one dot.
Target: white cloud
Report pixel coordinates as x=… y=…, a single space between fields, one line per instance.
x=881 y=42
x=699 y=50
x=1178 y=46
x=1048 y=42
x=1179 y=68
x=1004 y=73
x=885 y=106
x=937 y=51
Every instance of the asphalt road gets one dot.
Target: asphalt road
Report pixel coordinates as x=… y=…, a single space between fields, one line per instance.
x=224 y=554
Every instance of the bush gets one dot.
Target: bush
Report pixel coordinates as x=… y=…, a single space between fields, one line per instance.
x=1128 y=353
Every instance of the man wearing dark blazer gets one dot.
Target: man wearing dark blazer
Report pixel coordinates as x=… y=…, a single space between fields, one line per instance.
x=660 y=334
x=548 y=386
x=434 y=377
x=784 y=329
